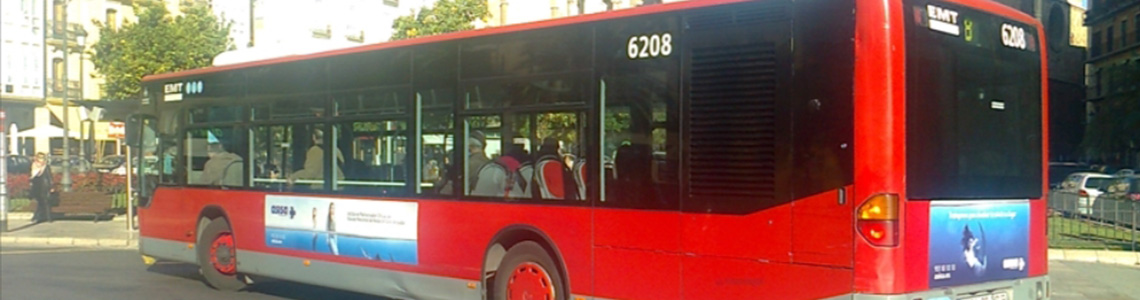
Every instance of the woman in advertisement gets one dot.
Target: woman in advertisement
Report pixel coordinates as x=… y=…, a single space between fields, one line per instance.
x=332 y=230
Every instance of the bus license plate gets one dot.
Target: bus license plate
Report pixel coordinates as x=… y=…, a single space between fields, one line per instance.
x=1002 y=295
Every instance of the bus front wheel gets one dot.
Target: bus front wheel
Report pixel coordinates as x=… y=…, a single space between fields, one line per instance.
x=528 y=272
x=217 y=256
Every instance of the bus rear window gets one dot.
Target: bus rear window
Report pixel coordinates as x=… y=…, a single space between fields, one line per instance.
x=973 y=104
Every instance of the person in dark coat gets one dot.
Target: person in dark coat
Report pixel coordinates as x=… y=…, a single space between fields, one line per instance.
x=42 y=188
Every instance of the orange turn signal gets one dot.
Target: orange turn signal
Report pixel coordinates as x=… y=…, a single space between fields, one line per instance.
x=880 y=207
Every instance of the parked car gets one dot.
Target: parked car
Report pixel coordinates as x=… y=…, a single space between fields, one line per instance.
x=109 y=163
x=1122 y=188
x=19 y=164
x=78 y=164
x=1058 y=171
x=1085 y=187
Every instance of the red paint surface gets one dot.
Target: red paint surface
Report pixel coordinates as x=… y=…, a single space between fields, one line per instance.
x=763 y=235
x=827 y=226
x=709 y=277
x=451 y=241
x=636 y=274
x=880 y=144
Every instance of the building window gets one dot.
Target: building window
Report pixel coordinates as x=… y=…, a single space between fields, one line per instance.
x=57 y=74
x=1108 y=40
x=1099 y=83
x=1123 y=33
x=112 y=19
x=1095 y=51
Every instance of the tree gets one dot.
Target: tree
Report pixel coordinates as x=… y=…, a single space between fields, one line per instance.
x=157 y=43
x=1113 y=135
x=443 y=17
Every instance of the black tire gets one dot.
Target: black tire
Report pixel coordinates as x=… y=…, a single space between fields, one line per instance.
x=230 y=281
x=523 y=255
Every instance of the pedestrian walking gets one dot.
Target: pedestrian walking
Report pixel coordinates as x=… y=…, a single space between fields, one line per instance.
x=42 y=188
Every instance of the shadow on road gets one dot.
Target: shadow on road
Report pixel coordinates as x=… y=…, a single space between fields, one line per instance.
x=268 y=286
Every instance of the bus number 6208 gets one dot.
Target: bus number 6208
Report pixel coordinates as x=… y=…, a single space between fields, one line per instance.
x=650 y=46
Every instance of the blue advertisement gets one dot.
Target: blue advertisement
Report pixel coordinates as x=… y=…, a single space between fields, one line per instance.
x=366 y=229
x=978 y=241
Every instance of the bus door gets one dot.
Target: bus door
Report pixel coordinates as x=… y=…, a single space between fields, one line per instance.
x=637 y=220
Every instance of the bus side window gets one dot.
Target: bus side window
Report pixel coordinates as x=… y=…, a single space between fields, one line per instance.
x=437 y=158
x=211 y=159
x=276 y=150
x=371 y=157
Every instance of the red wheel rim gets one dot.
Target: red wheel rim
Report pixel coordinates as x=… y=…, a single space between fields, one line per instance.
x=223 y=254
x=530 y=281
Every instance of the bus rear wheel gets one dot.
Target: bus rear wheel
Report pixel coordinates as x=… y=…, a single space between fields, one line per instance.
x=217 y=256
x=528 y=272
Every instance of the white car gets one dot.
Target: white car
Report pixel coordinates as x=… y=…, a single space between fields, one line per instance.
x=1086 y=187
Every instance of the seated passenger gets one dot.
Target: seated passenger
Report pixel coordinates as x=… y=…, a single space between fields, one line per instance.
x=476 y=158
x=223 y=167
x=314 y=168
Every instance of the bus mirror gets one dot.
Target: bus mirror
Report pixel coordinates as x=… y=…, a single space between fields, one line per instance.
x=133 y=130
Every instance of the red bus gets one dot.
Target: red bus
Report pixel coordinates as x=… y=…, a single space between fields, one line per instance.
x=716 y=149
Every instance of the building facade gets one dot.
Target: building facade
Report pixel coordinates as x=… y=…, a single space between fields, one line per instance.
x=1066 y=47
x=1114 y=73
x=21 y=61
x=46 y=58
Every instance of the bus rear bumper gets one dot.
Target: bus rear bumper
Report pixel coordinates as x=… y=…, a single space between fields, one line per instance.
x=1032 y=288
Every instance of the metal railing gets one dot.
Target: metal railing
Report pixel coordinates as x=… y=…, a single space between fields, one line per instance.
x=1103 y=222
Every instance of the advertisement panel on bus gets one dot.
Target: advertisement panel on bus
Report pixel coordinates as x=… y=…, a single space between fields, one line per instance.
x=376 y=230
x=978 y=241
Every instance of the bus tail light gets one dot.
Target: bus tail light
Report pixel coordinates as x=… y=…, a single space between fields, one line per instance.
x=877 y=220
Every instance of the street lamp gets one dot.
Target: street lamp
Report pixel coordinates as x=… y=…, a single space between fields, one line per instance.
x=80 y=40
x=65 y=179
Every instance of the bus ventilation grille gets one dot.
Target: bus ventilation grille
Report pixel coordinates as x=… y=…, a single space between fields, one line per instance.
x=732 y=122
x=749 y=15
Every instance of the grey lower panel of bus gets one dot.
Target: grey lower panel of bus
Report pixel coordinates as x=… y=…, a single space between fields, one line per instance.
x=1025 y=288
x=356 y=278
x=167 y=250
x=336 y=275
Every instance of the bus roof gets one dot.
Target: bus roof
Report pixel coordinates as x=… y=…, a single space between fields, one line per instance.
x=992 y=7
x=650 y=9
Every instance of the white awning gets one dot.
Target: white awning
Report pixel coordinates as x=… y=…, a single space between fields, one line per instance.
x=45 y=132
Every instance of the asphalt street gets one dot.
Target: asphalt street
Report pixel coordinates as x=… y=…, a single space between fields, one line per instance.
x=88 y=273
x=37 y=273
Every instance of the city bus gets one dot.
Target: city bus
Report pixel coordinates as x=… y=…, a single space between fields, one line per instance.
x=720 y=149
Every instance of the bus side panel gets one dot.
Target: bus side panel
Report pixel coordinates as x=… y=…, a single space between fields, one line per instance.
x=641 y=247
x=169 y=216
x=637 y=274
x=452 y=236
x=174 y=212
x=709 y=277
x=455 y=236
x=762 y=235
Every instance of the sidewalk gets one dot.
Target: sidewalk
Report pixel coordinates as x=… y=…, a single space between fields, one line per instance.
x=70 y=231
x=1096 y=256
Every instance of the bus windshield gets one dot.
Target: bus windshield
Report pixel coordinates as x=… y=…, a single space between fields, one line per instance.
x=973 y=104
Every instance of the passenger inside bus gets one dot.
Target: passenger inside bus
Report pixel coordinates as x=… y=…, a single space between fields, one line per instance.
x=313 y=169
x=223 y=167
x=476 y=158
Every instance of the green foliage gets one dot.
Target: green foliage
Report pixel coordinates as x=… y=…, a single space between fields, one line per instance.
x=443 y=17
x=156 y=43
